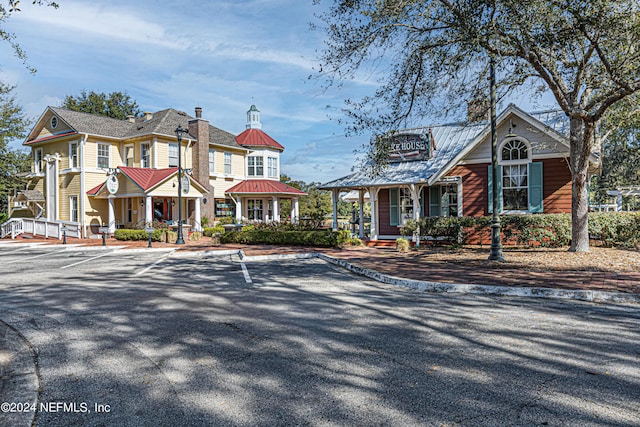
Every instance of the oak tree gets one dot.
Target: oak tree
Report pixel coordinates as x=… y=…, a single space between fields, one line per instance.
x=431 y=55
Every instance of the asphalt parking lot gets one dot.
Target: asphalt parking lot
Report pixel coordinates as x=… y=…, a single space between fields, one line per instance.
x=153 y=338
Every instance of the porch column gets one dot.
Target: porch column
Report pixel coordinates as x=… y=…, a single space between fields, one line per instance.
x=373 y=198
x=148 y=206
x=294 y=210
x=335 y=193
x=619 y=206
x=112 y=213
x=276 y=209
x=415 y=197
x=239 y=210
x=197 y=225
x=361 y=213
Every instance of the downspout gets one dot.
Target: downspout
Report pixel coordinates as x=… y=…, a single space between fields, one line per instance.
x=83 y=193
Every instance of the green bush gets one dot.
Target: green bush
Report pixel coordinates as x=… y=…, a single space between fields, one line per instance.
x=127 y=234
x=3 y=217
x=325 y=238
x=402 y=245
x=615 y=228
x=210 y=231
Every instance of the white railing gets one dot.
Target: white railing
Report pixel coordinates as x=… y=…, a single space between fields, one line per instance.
x=41 y=227
x=13 y=227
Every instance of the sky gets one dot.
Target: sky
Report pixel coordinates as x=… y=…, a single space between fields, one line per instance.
x=221 y=55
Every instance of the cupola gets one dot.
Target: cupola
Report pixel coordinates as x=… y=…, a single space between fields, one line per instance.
x=253 y=118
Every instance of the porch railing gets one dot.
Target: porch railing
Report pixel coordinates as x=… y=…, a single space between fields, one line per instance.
x=41 y=227
x=13 y=227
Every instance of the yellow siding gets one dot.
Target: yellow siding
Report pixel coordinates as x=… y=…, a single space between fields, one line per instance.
x=220 y=185
x=162 y=154
x=90 y=155
x=168 y=190
x=47 y=130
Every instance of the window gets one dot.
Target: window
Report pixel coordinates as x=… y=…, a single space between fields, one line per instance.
x=400 y=205
x=272 y=167
x=73 y=208
x=254 y=210
x=128 y=155
x=227 y=163
x=54 y=122
x=514 y=157
x=443 y=200
x=37 y=160
x=129 y=210
x=103 y=156
x=520 y=180
x=73 y=155
x=212 y=163
x=173 y=155
x=255 y=166
x=515 y=188
x=145 y=160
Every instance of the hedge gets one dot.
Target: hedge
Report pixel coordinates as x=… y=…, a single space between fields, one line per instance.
x=547 y=230
x=126 y=234
x=210 y=231
x=326 y=238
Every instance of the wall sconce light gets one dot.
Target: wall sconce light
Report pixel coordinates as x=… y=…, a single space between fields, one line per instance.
x=141 y=202
x=173 y=202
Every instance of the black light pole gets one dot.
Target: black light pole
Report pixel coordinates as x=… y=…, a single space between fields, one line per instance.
x=179 y=132
x=496 y=245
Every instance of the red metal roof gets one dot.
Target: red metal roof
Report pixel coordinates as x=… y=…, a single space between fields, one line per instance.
x=146 y=178
x=264 y=186
x=257 y=138
x=95 y=190
x=47 y=138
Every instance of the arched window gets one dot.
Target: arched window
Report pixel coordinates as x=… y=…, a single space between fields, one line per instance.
x=515 y=156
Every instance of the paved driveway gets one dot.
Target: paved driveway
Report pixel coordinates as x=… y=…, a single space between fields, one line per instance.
x=162 y=338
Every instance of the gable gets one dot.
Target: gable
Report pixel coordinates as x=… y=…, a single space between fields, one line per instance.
x=544 y=144
x=44 y=128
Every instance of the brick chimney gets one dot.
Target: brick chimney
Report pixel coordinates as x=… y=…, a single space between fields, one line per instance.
x=199 y=128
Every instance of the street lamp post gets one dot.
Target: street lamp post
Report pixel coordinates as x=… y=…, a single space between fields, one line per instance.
x=179 y=132
x=496 y=246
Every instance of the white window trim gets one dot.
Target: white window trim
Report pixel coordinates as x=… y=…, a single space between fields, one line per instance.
x=169 y=156
x=148 y=155
x=212 y=161
x=275 y=167
x=37 y=165
x=227 y=154
x=525 y=162
x=71 y=198
x=77 y=165
x=98 y=155
x=124 y=155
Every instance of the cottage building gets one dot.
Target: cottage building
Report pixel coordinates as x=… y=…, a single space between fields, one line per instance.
x=445 y=170
x=92 y=172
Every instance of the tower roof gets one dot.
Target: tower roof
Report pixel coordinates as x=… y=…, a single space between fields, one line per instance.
x=257 y=138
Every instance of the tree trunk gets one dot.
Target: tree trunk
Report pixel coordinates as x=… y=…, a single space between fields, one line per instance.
x=581 y=134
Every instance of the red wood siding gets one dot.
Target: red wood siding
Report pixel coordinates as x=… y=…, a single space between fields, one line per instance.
x=475 y=197
x=475 y=181
x=384 y=217
x=556 y=186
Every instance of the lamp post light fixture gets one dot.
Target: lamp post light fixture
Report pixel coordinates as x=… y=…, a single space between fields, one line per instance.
x=179 y=132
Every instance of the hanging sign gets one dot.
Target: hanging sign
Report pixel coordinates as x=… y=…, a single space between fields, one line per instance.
x=112 y=184
x=185 y=184
x=410 y=147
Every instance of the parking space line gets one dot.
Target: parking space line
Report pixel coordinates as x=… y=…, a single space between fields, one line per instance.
x=26 y=246
x=86 y=260
x=149 y=267
x=245 y=272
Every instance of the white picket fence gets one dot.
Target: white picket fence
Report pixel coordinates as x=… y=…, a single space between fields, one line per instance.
x=39 y=227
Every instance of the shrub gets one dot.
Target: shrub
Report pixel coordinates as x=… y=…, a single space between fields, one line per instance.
x=254 y=235
x=3 y=217
x=210 y=231
x=128 y=234
x=226 y=220
x=615 y=228
x=402 y=245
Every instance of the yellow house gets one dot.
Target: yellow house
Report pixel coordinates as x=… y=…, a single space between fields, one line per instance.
x=94 y=173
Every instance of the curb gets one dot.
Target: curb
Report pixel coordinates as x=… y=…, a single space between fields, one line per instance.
x=439 y=287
